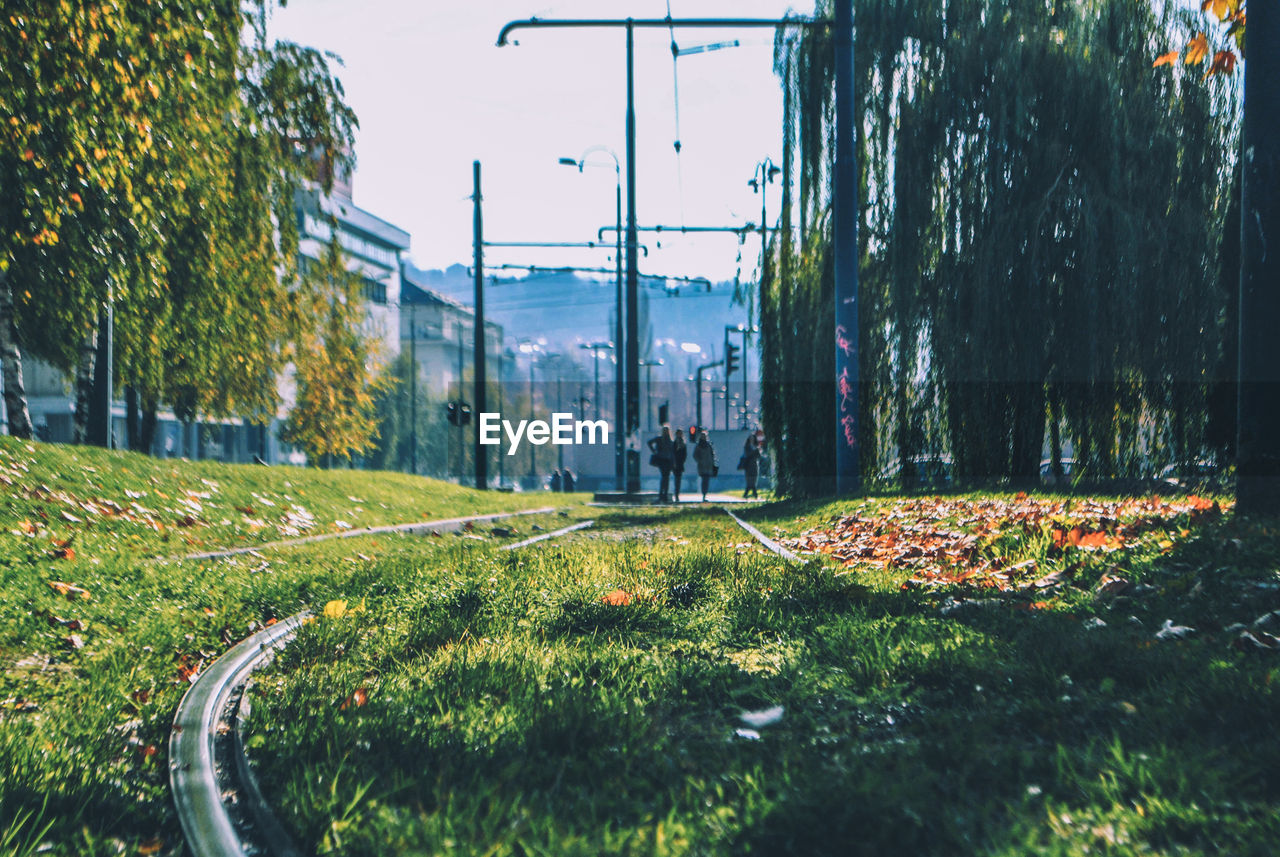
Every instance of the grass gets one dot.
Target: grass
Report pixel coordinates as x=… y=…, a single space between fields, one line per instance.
x=596 y=694
x=517 y=705
x=100 y=633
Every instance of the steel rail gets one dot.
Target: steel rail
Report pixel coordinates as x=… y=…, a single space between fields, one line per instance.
x=220 y=806
x=766 y=541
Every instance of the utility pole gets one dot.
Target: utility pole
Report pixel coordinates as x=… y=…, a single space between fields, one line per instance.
x=413 y=395
x=533 y=469
x=502 y=470
x=1257 y=456
x=482 y=453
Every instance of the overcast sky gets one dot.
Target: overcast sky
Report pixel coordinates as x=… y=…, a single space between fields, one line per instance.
x=433 y=93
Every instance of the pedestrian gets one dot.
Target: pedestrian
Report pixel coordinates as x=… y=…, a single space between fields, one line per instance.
x=555 y=480
x=704 y=455
x=566 y=481
x=680 y=453
x=663 y=458
x=749 y=464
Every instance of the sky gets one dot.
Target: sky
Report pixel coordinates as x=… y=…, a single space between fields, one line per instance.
x=434 y=93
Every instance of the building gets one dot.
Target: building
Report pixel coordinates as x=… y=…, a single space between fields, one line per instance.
x=440 y=332
x=373 y=248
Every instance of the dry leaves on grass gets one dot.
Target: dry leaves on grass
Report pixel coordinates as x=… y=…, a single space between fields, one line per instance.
x=956 y=541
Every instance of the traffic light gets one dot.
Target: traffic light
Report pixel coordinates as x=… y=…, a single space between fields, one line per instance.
x=459 y=413
x=731 y=358
x=452 y=409
x=464 y=414
x=664 y=413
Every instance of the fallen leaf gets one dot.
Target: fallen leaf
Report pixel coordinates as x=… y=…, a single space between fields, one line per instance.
x=357 y=699
x=69 y=589
x=617 y=598
x=335 y=609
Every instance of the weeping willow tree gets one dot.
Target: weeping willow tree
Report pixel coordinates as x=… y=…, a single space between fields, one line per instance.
x=1040 y=231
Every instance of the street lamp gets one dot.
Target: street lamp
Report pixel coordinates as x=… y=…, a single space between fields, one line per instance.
x=595 y=348
x=620 y=399
x=648 y=384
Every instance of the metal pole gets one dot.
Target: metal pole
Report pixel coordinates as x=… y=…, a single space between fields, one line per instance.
x=413 y=395
x=533 y=472
x=502 y=470
x=698 y=399
x=844 y=203
x=481 y=405
x=462 y=436
x=633 y=332
x=596 y=354
x=620 y=401
x=111 y=368
x=1258 y=460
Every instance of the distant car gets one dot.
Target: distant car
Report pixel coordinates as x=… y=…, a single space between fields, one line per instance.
x=920 y=471
x=1199 y=473
x=1070 y=469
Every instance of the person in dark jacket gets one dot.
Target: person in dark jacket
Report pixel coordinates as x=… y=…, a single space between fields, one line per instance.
x=704 y=455
x=680 y=453
x=566 y=480
x=751 y=465
x=663 y=458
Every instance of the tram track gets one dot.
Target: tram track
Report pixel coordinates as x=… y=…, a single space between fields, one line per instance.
x=220 y=806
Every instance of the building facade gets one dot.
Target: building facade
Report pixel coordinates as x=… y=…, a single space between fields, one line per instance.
x=373 y=249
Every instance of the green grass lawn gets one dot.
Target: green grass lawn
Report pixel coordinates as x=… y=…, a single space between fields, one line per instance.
x=979 y=674
x=604 y=695
x=100 y=632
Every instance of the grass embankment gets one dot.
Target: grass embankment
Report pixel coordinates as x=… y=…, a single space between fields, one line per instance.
x=100 y=635
x=990 y=675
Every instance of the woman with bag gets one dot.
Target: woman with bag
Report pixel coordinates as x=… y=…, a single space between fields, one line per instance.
x=704 y=455
x=663 y=458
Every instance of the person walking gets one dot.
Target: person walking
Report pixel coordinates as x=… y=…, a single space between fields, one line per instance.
x=663 y=458
x=751 y=465
x=704 y=455
x=680 y=453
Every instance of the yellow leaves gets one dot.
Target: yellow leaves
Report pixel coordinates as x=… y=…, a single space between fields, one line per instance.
x=338 y=608
x=153 y=89
x=1165 y=59
x=1197 y=49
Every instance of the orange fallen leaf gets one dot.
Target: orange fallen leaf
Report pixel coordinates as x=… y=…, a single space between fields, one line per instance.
x=151 y=846
x=355 y=700
x=617 y=598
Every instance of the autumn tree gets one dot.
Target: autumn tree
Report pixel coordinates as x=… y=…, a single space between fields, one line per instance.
x=336 y=374
x=156 y=153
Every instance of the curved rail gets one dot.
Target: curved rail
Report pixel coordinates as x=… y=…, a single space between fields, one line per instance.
x=222 y=810
x=766 y=541
x=199 y=768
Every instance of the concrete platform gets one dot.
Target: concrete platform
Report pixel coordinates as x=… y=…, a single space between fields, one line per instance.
x=650 y=498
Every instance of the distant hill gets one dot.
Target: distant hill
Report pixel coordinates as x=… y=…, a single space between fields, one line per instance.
x=569 y=309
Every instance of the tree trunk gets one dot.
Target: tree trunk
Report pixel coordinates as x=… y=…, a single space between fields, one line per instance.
x=84 y=386
x=147 y=429
x=131 y=416
x=15 y=391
